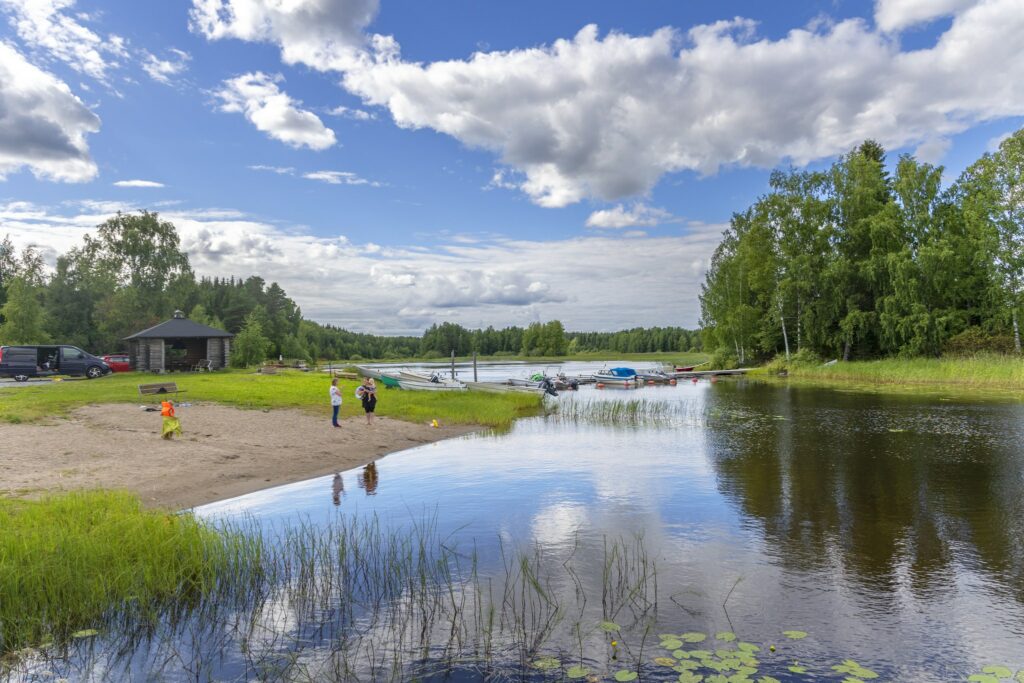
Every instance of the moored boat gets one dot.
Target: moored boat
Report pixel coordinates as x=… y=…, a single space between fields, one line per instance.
x=616 y=376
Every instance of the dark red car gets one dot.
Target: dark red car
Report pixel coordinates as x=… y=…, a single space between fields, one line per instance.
x=118 y=362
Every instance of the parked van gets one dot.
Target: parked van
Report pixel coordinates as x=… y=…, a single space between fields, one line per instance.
x=22 y=362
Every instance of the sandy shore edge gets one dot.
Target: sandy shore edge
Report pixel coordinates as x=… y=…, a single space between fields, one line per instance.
x=225 y=451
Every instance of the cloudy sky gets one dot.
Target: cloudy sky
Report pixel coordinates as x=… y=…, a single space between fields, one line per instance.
x=394 y=163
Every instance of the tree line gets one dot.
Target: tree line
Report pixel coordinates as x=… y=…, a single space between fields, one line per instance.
x=858 y=262
x=132 y=274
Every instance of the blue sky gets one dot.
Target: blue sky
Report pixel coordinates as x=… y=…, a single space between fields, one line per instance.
x=397 y=163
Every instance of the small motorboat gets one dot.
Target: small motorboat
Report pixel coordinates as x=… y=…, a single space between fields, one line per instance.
x=616 y=376
x=655 y=377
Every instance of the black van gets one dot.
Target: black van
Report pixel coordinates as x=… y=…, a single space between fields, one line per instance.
x=22 y=362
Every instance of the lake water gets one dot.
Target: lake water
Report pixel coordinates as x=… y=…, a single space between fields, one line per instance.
x=888 y=528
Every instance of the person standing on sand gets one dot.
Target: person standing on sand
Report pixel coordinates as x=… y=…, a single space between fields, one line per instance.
x=171 y=424
x=335 y=401
x=367 y=393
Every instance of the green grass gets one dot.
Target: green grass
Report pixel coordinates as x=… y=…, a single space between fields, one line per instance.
x=983 y=371
x=70 y=563
x=287 y=389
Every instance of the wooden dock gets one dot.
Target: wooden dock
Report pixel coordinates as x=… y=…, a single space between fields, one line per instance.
x=711 y=373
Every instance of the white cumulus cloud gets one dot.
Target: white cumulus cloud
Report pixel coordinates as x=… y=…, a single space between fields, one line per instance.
x=43 y=126
x=258 y=97
x=607 y=116
x=352 y=113
x=621 y=217
x=49 y=26
x=323 y=34
x=896 y=15
x=138 y=183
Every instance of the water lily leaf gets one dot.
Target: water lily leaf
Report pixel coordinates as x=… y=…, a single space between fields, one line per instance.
x=727 y=636
x=768 y=679
x=664 y=661
x=797 y=669
x=795 y=635
x=85 y=633
x=739 y=678
x=610 y=627
x=681 y=654
x=577 y=672
x=690 y=677
x=686 y=665
x=693 y=637
x=625 y=675
x=997 y=671
x=725 y=654
x=671 y=644
x=983 y=678
x=748 y=647
x=1019 y=677
x=700 y=654
x=546 y=663
x=717 y=678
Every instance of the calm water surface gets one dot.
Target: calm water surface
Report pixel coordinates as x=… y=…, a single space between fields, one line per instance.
x=890 y=528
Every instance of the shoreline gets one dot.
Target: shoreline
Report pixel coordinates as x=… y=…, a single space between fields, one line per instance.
x=225 y=452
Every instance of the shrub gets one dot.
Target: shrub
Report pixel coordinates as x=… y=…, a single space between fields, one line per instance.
x=974 y=340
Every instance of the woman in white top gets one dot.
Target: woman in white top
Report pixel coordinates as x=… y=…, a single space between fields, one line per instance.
x=335 y=401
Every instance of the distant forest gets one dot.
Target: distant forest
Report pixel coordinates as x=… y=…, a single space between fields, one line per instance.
x=855 y=262
x=132 y=274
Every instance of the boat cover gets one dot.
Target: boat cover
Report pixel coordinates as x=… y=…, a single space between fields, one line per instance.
x=622 y=372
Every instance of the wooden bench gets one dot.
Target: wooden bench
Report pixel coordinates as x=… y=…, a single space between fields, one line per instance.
x=160 y=388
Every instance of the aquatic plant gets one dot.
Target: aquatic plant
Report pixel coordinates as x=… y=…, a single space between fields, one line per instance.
x=642 y=412
x=71 y=563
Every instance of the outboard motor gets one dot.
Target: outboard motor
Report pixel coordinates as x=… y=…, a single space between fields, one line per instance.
x=548 y=386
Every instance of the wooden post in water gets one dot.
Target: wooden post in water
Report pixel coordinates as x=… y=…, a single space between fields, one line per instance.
x=453 y=363
x=474 y=367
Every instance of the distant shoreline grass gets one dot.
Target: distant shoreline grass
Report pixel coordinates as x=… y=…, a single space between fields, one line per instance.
x=980 y=372
x=247 y=389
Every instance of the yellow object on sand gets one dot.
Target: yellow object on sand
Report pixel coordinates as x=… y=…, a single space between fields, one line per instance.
x=171 y=426
x=433 y=423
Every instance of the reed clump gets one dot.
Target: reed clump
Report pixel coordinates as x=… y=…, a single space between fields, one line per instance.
x=627 y=412
x=71 y=563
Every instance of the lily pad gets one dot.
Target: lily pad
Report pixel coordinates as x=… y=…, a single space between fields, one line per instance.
x=546 y=663
x=577 y=672
x=997 y=671
x=795 y=635
x=610 y=627
x=983 y=678
x=625 y=675
x=768 y=679
x=855 y=670
x=690 y=677
x=693 y=637
x=686 y=665
x=664 y=661
x=748 y=647
x=797 y=669
x=681 y=654
x=727 y=636
x=1019 y=677
x=85 y=633
x=671 y=644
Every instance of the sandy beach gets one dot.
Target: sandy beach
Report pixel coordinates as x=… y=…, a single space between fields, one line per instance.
x=225 y=451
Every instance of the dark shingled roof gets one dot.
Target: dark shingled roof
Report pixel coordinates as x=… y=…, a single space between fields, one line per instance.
x=179 y=328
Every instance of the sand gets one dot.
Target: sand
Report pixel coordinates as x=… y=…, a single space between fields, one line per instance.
x=225 y=451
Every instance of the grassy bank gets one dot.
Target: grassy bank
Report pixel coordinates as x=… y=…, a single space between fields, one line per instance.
x=246 y=389
x=69 y=562
x=977 y=372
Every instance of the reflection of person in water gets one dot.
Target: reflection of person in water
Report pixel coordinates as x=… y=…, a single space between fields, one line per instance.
x=337 y=488
x=368 y=480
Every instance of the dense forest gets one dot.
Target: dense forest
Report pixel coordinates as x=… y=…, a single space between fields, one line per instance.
x=857 y=262
x=132 y=274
